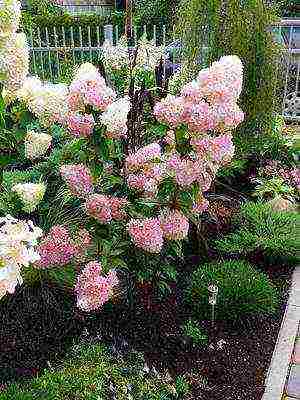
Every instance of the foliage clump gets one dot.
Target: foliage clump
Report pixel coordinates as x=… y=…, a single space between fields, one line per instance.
x=259 y=228
x=92 y=372
x=242 y=290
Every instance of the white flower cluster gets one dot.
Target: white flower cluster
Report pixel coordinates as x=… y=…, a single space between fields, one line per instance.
x=115 y=118
x=17 y=249
x=14 y=53
x=10 y=13
x=117 y=57
x=46 y=101
x=36 y=144
x=31 y=194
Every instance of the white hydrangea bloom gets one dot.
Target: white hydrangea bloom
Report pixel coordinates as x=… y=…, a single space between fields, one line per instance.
x=46 y=101
x=117 y=57
x=31 y=194
x=14 y=62
x=17 y=241
x=115 y=118
x=36 y=144
x=10 y=13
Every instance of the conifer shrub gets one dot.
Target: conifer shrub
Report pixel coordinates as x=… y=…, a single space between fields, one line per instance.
x=260 y=228
x=242 y=290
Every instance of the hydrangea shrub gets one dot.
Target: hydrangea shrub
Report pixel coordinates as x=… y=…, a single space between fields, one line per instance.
x=140 y=190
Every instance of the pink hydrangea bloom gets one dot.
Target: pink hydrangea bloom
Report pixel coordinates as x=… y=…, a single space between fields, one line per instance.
x=80 y=125
x=219 y=149
x=137 y=181
x=148 y=153
x=227 y=116
x=209 y=102
x=89 y=88
x=117 y=206
x=222 y=82
x=174 y=224
x=146 y=234
x=106 y=208
x=92 y=289
x=78 y=178
x=200 y=117
x=59 y=248
x=98 y=206
x=171 y=110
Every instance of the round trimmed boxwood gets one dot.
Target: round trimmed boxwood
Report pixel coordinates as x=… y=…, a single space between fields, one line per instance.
x=242 y=290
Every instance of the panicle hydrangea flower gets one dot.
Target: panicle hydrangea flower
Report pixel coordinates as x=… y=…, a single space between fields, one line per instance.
x=93 y=289
x=89 y=88
x=137 y=181
x=200 y=117
x=227 y=116
x=186 y=171
x=174 y=224
x=118 y=57
x=98 y=206
x=78 y=178
x=171 y=110
x=209 y=102
x=170 y=138
x=146 y=234
x=222 y=82
x=46 y=101
x=80 y=125
x=220 y=149
x=115 y=118
x=31 y=194
x=295 y=177
x=17 y=249
x=14 y=62
x=10 y=13
x=59 y=248
x=106 y=208
x=36 y=144
x=117 y=205
x=137 y=160
x=149 y=54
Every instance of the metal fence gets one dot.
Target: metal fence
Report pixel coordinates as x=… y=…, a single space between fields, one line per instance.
x=288 y=34
x=55 y=52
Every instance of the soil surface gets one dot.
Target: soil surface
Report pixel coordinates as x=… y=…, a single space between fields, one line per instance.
x=38 y=325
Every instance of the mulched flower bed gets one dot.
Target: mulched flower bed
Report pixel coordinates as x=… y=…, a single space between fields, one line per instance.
x=38 y=325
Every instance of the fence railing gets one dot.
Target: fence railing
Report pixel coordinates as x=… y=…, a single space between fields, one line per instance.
x=55 y=52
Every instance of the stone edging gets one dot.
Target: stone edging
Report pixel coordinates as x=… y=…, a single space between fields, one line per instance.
x=280 y=363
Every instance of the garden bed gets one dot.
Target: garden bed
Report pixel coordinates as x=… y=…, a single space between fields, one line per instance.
x=38 y=325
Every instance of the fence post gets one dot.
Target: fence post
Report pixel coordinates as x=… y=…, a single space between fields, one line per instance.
x=109 y=33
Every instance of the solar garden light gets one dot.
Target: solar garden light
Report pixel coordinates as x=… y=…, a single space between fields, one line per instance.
x=213 y=293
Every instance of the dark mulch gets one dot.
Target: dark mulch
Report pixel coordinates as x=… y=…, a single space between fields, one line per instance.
x=38 y=325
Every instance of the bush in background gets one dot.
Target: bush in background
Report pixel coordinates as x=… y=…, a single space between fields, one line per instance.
x=242 y=290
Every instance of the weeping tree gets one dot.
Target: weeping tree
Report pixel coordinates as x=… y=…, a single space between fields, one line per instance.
x=242 y=28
